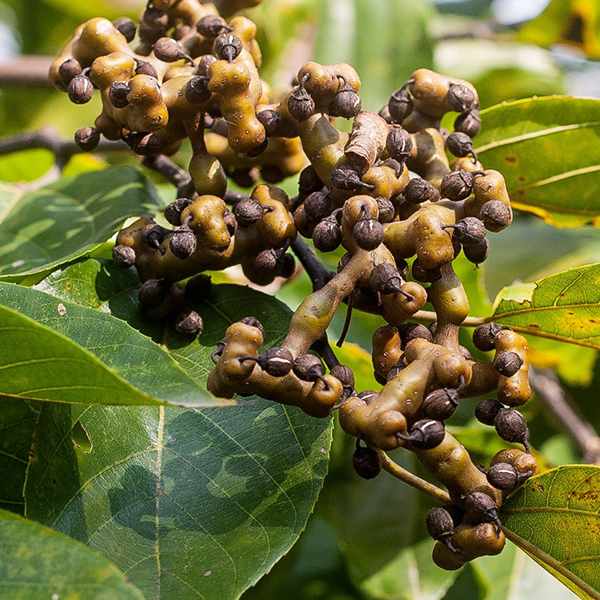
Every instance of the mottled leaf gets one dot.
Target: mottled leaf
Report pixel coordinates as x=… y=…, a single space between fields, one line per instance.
x=555 y=518
x=37 y=563
x=69 y=218
x=547 y=149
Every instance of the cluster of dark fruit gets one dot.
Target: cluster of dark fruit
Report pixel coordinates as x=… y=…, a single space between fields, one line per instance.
x=385 y=192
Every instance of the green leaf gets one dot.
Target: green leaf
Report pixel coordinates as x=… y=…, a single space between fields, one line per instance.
x=17 y=424
x=38 y=563
x=555 y=518
x=547 y=149
x=60 y=351
x=26 y=165
x=564 y=307
x=68 y=218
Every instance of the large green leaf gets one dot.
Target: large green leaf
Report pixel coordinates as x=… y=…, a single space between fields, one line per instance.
x=37 y=563
x=563 y=307
x=53 y=350
x=69 y=218
x=547 y=149
x=555 y=518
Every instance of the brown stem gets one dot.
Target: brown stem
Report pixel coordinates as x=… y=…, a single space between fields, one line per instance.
x=30 y=71
x=318 y=274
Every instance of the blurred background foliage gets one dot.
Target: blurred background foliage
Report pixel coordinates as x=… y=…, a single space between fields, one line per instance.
x=366 y=540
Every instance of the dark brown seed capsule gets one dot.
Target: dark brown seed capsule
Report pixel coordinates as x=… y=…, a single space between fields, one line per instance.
x=245 y=178
x=257 y=151
x=204 y=64
x=267 y=266
x=482 y=508
x=439 y=524
x=196 y=90
x=117 y=94
x=327 y=235
x=277 y=362
x=483 y=336
x=173 y=211
x=344 y=375
x=300 y=104
x=149 y=35
x=309 y=181
x=399 y=366
x=247 y=212
x=403 y=268
x=368 y=233
x=228 y=46
x=189 y=323
x=271 y=173
x=124 y=256
x=346 y=103
x=126 y=27
x=459 y=144
x=384 y=113
x=420 y=190
x=146 y=144
x=423 y=275
x=253 y=322
x=457 y=185
x=153 y=293
x=366 y=462
x=183 y=242
x=399 y=144
x=230 y=222
x=318 y=205
x=379 y=378
x=400 y=105
x=479 y=253
x=384 y=278
x=211 y=26
x=425 y=434
x=308 y=367
x=460 y=98
x=145 y=68
x=440 y=404
x=469 y=231
x=168 y=50
x=80 y=90
x=487 y=411
x=87 y=138
x=156 y=18
x=270 y=120
x=154 y=235
x=413 y=331
x=367 y=300
x=508 y=363
x=288 y=266
x=511 y=426
x=387 y=212
x=368 y=396
x=346 y=177
x=468 y=123
x=69 y=70
x=495 y=215
x=503 y=476
x=198 y=287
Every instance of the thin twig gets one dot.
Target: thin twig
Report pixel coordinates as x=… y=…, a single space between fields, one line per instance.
x=318 y=274
x=322 y=347
x=30 y=71
x=430 y=317
x=548 y=389
x=402 y=474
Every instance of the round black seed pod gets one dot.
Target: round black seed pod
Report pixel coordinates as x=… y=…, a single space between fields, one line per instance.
x=196 y=90
x=387 y=211
x=300 y=104
x=149 y=34
x=508 y=363
x=155 y=17
x=344 y=375
x=346 y=103
x=173 y=211
x=183 y=242
x=487 y=411
x=198 y=287
x=468 y=123
x=469 y=231
x=479 y=253
x=87 y=138
x=384 y=278
x=399 y=366
x=425 y=275
x=346 y=177
x=368 y=233
x=425 y=434
x=317 y=205
x=211 y=26
x=400 y=105
x=368 y=396
x=420 y=190
x=80 y=90
x=511 y=426
x=482 y=508
x=230 y=221
x=168 y=50
x=69 y=70
x=413 y=331
x=460 y=98
x=270 y=120
x=439 y=523
x=117 y=94
x=495 y=215
x=126 y=27
x=153 y=234
x=145 y=68
x=367 y=300
x=366 y=462
x=440 y=404
x=153 y=293
x=253 y=322
x=309 y=181
x=267 y=263
x=384 y=113
x=457 y=185
x=459 y=144
x=327 y=235
x=204 y=64
x=270 y=173
x=308 y=367
x=399 y=144
x=277 y=362
x=124 y=256
x=288 y=266
x=247 y=212
x=189 y=323
x=503 y=476
x=228 y=46
x=483 y=336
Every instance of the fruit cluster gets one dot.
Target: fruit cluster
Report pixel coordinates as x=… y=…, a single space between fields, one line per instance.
x=386 y=192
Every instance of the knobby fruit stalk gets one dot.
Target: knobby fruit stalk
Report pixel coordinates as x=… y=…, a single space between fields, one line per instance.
x=386 y=192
